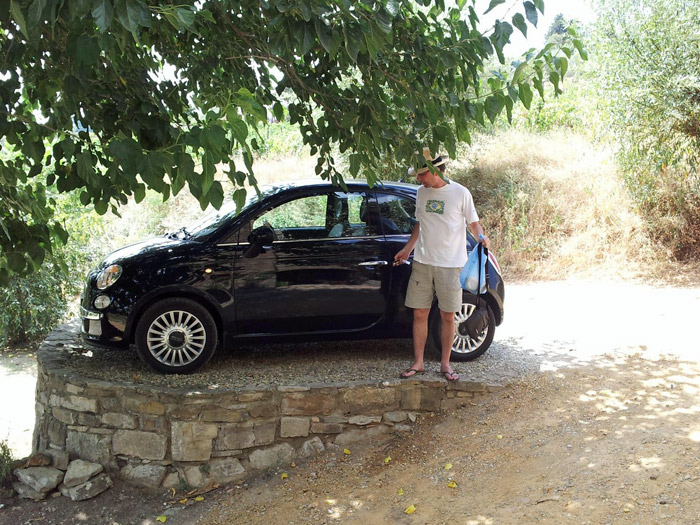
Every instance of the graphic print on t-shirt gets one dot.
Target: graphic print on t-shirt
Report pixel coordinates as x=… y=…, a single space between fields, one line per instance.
x=435 y=206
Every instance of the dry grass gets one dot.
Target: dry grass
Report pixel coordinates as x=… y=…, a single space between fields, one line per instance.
x=555 y=208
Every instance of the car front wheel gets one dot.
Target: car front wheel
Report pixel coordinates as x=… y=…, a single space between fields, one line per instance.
x=464 y=347
x=176 y=336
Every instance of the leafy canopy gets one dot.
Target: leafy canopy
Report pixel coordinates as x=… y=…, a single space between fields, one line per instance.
x=110 y=97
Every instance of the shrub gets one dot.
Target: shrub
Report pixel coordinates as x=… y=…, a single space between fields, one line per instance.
x=5 y=463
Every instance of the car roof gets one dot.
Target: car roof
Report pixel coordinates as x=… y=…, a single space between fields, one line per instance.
x=319 y=183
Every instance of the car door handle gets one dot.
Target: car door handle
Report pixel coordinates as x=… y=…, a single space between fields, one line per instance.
x=371 y=264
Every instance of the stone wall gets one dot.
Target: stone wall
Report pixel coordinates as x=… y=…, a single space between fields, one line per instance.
x=163 y=437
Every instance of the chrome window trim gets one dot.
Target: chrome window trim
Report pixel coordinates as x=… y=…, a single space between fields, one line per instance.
x=222 y=245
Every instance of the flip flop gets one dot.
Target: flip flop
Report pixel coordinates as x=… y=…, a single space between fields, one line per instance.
x=450 y=375
x=405 y=374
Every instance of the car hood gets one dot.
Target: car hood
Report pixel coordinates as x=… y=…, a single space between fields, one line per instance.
x=141 y=249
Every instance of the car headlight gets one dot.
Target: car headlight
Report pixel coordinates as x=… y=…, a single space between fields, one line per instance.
x=108 y=276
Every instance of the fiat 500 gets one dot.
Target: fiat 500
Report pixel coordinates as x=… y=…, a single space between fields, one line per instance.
x=302 y=260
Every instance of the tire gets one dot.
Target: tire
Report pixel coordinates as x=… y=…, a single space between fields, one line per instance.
x=464 y=348
x=176 y=336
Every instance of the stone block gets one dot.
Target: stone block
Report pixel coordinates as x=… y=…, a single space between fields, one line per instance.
x=171 y=481
x=224 y=416
x=431 y=398
x=250 y=397
x=87 y=490
x=91 y=447
x=74 y=389
x=147 y=476
x=262 y=459
x=194 y=477
x=410 y=398
x=192 y=441
x=235 y=437
x=137 y=405
x=79 y=471
x=327 y=428
x=364 y=420
x=27 y=492
x=263 y=410
x=40 y=479
x=311 y=447
x=152 y=423
x=59 y=458
x=56 y=431
x=468 y=386
x=395 y=417
x=369 y=397
x=117 y=420
x=64 y=416
x=79 y=404
x=308 y=403
x=265 y=433
x=89 y=420
x=225 y=470
x=294 y=427
x=143 y=445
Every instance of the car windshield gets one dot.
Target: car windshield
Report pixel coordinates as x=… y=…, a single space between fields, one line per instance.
x=212 y=221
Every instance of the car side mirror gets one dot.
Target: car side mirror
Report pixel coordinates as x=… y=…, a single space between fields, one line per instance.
x=259 y=237
x=262 y=235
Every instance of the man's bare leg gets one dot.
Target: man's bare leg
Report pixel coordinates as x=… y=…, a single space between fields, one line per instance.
x=420 y=337
x=447 y=337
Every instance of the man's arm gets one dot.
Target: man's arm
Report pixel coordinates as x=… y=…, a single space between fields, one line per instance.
x=477 y=230
x=404 y=253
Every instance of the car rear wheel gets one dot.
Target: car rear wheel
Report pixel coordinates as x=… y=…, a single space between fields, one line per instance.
x=464 y=347
x=176 y=336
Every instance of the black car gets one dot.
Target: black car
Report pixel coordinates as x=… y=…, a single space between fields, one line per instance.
x=300 y=260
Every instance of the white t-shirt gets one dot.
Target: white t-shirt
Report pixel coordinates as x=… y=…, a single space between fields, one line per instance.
x=443 y=214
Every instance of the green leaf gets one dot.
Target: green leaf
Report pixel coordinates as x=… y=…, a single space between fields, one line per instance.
x=494 y=105
x=16 y=11
x=277 y=111
x=581 y=51
x=35 y=11
x=324 y=35
x=139 y=193
x=530 y=12
x=519 y=71
x=519 y=22
x=353 y=38
x=525 y=94
x=494 y=3
x=85 y=167
x=393 y=7
x=239 y=130
x=383 y=21
x=239 y=199
x=563 y=64
x=16 y=262
x=540 y=5
x=103 y=13
x=213 y=138
x=132 y=14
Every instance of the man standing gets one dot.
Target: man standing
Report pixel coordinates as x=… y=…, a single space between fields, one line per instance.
x=443 y=209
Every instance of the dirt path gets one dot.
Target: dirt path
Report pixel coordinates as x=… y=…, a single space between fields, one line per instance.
x=598 y=424
x=614 y=443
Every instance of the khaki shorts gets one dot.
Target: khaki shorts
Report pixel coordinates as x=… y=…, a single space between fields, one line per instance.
x=427 y=280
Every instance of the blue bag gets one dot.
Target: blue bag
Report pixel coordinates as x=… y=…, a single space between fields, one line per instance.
x=473 y=274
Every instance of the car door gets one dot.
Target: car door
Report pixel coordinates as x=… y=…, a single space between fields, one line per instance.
x=323 y=270
x=396 y=213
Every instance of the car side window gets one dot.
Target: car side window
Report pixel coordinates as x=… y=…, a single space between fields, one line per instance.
x=398 y=214
x=298 y=219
